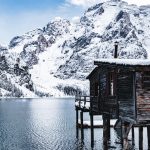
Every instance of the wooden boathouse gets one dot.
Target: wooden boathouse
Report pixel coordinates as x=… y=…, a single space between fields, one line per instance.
x=119 y=89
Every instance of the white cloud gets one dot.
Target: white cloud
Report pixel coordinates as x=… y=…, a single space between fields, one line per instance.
x=87 y=3
x=20 y=23
x=84 y=3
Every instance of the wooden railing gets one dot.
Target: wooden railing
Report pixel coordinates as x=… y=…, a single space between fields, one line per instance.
x=96 y=106
x=86 y=101
x=82 y=100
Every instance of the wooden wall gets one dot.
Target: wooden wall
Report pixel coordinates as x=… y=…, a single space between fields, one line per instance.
x=143 y=95
x=107 y=101
x=94 y=93
x=131 y=101
x=126 y=96
x=104 y=103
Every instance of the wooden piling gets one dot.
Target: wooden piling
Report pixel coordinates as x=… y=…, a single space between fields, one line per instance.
x=117 y=124
x=140 y=137
x=121 y=140
x=77 y=128
x=77 y=117
x=92 y=130
x=148 y=136
x=126 y=126
x=132 y=135
x=82 y=131
x=106 y=131
x=108 y=127
x=118 y=129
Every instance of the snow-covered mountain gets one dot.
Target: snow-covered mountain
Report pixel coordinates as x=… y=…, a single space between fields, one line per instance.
x=61 y=55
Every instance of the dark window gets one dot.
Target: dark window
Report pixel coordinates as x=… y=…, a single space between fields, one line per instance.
x=96 y=89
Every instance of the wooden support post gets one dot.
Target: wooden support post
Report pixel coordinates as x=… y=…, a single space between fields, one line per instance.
x=77 y=117
x=92 y=130
x=132 y=135
x=118 y=129
x=125 y=142
x=77 y=126
x=121 y=140
x=125 y=132
x=81 y=118
x=117 y=124
x=108 y=127
x=148 y=136
x=106 y=131
x=141 y=138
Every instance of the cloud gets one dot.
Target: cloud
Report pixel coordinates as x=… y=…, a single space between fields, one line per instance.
x=12 y=24
x=87 y=3
x=70 y=10
x=84 y=3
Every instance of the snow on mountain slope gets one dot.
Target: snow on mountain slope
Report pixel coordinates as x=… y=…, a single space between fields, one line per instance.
x=61 y=55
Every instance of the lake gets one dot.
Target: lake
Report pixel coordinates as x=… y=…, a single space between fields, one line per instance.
x=47 y=124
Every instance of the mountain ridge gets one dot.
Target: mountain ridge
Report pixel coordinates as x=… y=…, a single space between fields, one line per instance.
x=61 y=55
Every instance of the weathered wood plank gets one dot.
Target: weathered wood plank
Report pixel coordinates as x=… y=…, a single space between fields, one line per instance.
x=143 y=95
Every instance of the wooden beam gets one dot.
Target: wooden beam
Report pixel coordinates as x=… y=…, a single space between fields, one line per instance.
x=140 y=138
x=81 y=118
x=117 y=124
x=125 y=132
x=92 y=130
x=106 y=131
x=132 y=135
x=77 y=118
x=148 y=136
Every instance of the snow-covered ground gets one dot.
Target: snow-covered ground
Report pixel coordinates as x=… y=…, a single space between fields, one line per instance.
x=98 y=123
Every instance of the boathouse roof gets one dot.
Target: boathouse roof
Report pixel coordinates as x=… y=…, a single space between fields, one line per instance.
x=136 y=64
x=131 y=62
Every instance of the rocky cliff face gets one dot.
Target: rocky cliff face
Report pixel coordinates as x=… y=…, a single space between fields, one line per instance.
x=61 y=55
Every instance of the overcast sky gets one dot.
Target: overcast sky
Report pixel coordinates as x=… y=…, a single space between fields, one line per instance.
x=20 y=16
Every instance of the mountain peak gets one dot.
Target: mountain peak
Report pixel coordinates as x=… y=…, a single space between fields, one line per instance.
x=57 y=27
x=64 y=52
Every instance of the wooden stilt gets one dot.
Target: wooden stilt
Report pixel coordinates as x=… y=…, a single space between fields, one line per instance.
x=118 y=129
x=141 y=138
x=77 y=128
x=77 y=117
x=148 y=136
x=132 y=135
x=125 y=132
x=92 y=130
x=108 y=127
x=121 y=133
x=81 y=118
x=106 y=131
x=117 y=124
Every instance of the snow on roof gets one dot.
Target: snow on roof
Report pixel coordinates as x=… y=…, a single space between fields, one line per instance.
x=141 y=62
